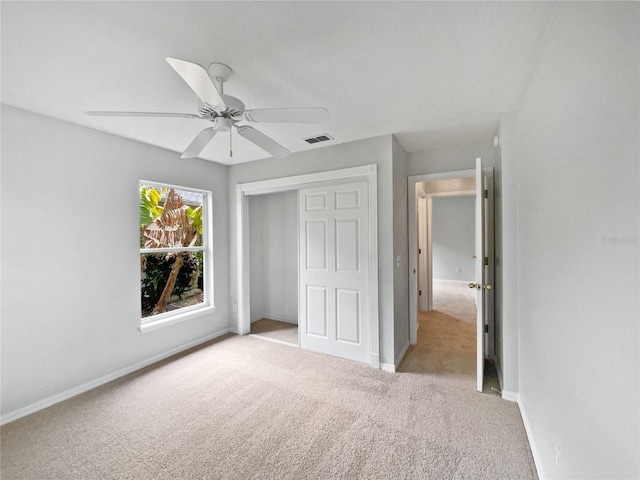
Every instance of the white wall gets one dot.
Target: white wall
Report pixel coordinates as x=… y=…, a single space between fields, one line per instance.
x=274 y=256
x=364 y=152
x=70 y=260
x=467 y=184
x=401 y=252
x=450 y=159
x=453 y=237
x=579 y=188
x=506 y=251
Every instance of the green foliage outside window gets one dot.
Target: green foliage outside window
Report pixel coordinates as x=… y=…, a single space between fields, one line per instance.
x=166 y=222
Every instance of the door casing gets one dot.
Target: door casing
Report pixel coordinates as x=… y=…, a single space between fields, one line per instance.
x=412 y=200
x=366 y=173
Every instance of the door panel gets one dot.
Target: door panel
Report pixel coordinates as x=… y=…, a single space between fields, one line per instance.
x=348 y=315
x=316 y=244
x=347 y=255
x=317 y=309
x=334 y=278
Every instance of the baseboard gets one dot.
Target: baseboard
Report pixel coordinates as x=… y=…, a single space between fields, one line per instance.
x=281 y=318
x=401 y=355
x=85 y=387
x=388 y=367
x=443 y=280
x=510 y=396
x=535 y=452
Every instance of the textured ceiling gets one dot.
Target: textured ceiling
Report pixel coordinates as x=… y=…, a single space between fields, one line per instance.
x=432 y=73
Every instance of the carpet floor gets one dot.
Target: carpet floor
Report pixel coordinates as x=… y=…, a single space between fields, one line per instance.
x=241 y=407
x=275 y=330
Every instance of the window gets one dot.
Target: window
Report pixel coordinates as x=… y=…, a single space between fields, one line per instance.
x=175 y=257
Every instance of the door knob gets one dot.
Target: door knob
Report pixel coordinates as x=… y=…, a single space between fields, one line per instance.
x=479 y=286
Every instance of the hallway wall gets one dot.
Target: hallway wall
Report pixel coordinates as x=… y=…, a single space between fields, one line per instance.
x=453 y=238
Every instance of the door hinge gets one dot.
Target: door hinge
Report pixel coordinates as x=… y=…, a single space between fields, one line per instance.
x=419 y=251
x=486 y=261
x=486 y=194
x=419 y=292
x=486 y=328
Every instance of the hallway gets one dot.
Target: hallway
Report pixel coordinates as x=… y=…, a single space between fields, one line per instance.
x=447 y=338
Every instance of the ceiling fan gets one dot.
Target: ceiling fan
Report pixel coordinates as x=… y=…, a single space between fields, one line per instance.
x=225 y=111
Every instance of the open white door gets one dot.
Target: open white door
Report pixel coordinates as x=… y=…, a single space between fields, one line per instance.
x=334 y=270
x=479 y=284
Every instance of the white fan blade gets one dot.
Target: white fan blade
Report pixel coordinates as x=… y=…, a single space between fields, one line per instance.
x=262 y=141
x=287 y=115
x=198 y=143
x=98 y=113
x=198 y=79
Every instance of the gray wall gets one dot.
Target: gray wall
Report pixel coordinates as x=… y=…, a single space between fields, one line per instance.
x=450 y=159
x=274 y=256
x=506 y=250
x=577 y=242
x=401 y=252
x=70 y=255
x=453 y=238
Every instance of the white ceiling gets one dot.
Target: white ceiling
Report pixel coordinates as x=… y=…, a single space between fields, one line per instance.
x=432 y=73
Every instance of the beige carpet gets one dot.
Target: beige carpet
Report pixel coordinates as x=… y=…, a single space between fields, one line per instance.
x=446 y=344
x=245 y=408
x=275 y=330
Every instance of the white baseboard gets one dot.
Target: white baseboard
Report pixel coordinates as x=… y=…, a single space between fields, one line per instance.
x=388 y=367
x=510 y=396
x=279 y=318
x=443 y=280
x=85 y=387
x=537 y=458
x=401 y=355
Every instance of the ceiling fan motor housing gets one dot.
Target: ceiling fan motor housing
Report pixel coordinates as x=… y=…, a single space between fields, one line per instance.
x=234 y=107
x=223 y=124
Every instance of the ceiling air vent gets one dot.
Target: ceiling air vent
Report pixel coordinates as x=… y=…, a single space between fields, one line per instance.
x=318 y=138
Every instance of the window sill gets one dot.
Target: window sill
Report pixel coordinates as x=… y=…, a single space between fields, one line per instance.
x=175 y=318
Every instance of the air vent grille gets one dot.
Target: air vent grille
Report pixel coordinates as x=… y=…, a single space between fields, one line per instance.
x=318 y=138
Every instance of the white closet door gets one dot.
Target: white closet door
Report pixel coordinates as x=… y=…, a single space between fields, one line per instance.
x=334 y=277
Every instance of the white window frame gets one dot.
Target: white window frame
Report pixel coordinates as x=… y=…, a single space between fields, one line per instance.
x=166 y=319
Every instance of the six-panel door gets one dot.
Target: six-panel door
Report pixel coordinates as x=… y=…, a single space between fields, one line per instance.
x=334 y=293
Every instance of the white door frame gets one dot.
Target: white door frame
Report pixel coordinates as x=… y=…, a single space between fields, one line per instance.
x=366 y=173
x=423 y=264
x=413 y=247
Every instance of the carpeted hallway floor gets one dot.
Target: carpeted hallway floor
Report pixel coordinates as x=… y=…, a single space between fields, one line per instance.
x=447 y=335
x=245 y=408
